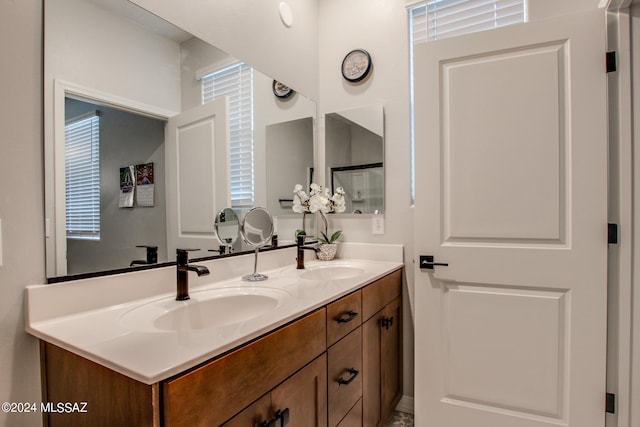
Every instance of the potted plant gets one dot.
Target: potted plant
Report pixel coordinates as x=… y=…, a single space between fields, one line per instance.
x=321 y=201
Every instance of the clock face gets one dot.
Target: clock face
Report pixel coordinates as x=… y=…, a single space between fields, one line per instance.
x=356 y=65
x=281 y=91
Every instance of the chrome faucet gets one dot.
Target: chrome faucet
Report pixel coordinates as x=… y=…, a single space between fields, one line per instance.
x=300 y=241
x=182 y=275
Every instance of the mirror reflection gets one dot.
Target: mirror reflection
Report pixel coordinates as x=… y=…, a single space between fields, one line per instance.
x=113 y=57
x=354 y=150
x=227 y=229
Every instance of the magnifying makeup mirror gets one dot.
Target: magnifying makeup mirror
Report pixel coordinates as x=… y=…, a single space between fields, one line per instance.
x=256 y=230
x=227 y=227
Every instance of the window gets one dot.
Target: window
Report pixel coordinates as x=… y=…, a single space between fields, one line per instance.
x=439 y=19
x=236 y=81
x=82 y=177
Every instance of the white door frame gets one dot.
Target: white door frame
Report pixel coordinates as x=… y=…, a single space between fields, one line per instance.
x=54 y=143
x=623 y=378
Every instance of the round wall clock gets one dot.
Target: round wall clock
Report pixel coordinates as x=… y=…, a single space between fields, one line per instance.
x=356 y=65
x=281 y=91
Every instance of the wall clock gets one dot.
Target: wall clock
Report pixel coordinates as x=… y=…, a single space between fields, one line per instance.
x=281 y=91
x=356 y=65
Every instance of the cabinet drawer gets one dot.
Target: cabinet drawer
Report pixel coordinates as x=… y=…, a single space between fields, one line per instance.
x=380 y=293
x=343 y=316
x=213 y=393
x=344 y=375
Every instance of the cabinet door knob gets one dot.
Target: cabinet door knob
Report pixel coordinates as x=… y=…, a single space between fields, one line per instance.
x=387 y=322
x=354 y=373
x=283 y=416
x=347 y=317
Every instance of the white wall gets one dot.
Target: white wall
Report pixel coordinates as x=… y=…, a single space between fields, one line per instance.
x=21 y=201
x=287 y=54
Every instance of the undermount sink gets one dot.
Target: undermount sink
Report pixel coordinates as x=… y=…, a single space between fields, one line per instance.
x=206 y=308
x=331 y=272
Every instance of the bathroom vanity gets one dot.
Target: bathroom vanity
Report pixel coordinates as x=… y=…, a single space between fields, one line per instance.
x=332 y=356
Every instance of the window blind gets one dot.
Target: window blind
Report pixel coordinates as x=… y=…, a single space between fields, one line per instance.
x=438 y=19
x=236 y=81
x=82 y=177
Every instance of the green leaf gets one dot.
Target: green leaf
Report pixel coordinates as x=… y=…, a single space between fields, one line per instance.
x=335 y=236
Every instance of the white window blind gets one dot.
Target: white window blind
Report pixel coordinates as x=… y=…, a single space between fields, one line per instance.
x=440 y=19
x=82 y=177
x=236 y=81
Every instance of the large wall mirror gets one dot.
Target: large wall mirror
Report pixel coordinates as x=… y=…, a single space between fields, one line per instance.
x=354 y=147
x=135 y=82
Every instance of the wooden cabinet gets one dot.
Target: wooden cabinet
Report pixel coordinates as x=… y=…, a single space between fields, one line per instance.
x=302 y=399
x=337 y=366
x=242 y=376
x=382 y=349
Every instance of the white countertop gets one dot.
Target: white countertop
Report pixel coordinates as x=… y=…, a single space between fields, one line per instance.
x=86 y=317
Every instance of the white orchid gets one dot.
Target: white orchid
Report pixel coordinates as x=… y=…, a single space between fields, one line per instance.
x=300 y=200
x=319 y=200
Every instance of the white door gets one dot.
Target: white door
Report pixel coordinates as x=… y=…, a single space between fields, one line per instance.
x=511 y=192
x=196 y=150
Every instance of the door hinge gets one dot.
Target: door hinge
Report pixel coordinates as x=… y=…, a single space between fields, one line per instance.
x=612 y=233
x=610 y=403
x=611 y=61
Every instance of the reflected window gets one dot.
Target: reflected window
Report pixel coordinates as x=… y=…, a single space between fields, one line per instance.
x=82 y=176
x=236 y=82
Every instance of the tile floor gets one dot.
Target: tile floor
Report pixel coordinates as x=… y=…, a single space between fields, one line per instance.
x=400 y=419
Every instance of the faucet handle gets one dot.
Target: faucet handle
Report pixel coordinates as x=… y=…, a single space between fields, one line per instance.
x=152 y=253
x=182 y=255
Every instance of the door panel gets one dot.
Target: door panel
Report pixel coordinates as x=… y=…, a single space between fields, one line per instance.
x=526 y=148
x=197 y=175
x=511 y=144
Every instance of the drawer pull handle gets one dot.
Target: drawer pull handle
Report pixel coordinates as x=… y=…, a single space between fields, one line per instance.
x=347 y=317
x=354 y=373
x=283 y=416
x=387 y=322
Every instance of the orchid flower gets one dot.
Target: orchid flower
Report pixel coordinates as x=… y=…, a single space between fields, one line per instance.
x=322 y=201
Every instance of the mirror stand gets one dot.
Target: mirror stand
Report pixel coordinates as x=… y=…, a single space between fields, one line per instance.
x=256 y=230
x=255 y=277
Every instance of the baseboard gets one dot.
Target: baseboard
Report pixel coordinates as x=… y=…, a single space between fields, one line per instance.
x=405 y=405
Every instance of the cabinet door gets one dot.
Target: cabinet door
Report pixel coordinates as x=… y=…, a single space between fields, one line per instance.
x=371 y=364
x=391 y=361
x=252 y=416
x=382 y=364
x=304 y=395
